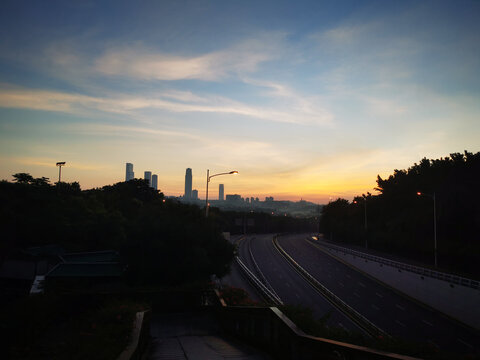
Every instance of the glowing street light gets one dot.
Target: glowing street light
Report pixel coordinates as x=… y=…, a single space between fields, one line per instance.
x=60 y=164
x=234 y=172
x=434 y=223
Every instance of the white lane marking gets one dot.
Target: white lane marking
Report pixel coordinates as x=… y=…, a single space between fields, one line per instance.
x=400 y=307
x=358 y=296
x=400 y=323
x=426 y=322
x=379 y=295
x=375 y=307
x=361 y=284
x=339 y=283
x=465 y=343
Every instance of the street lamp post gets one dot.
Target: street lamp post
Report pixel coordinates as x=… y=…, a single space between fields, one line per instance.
x=60 y=164
x=208 y=180
x=434 y=223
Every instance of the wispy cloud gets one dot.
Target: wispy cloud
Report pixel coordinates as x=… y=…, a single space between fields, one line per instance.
x=14 y=97
x=147 y=64
x=50 y=163
x=130 y=131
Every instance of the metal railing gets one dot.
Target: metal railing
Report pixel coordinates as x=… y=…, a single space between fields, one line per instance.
x=474 y=284
x=266 y=292
x=269 y=329
x=365 y=324
x=263 y=279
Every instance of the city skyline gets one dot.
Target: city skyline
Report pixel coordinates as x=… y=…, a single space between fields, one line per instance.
x=307 y=100
x=153 y=182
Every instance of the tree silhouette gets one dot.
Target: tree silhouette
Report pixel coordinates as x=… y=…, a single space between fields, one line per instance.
x=400 y=221
x=23 y=178
x=163 y=242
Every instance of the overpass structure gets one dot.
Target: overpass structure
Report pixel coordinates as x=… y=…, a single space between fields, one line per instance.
x=300 y=273
x=453 y=295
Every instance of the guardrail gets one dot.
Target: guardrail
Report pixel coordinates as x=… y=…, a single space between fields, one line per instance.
x=259 y=272
x=474 y=284
x=266 y=293
x=369 y=327
x=271 y=330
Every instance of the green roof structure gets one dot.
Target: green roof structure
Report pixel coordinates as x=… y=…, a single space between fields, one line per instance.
x=91 y=257
x=86 y=270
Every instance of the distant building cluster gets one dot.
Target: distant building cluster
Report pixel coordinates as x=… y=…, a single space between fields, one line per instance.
x=151 y=179
x=232 y=201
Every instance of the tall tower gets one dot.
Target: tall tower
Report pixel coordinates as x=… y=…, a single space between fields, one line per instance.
x=148 y=176
x=188 y=184
x=129 y=174
x=154 y=181
x=221 y=192
x=194 y=194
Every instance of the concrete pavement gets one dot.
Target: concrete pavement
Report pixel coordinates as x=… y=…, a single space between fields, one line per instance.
x=195 y=336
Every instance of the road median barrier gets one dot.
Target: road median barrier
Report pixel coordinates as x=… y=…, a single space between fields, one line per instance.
x=365 y=324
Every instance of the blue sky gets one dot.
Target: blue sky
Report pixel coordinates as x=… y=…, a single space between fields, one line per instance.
x=305 y=99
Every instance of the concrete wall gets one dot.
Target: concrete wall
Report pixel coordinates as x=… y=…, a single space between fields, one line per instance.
x=457 y=301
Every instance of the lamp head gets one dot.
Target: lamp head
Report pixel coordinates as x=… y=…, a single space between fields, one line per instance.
x=233 y=172
x=61 y=163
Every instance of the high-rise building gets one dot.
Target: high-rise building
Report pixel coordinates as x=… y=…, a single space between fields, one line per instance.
x=148 y=176
x=129 y=174
x=154 y=181
x=233 y=198
x=188 y=184
x=221 y=192
x=195 y=194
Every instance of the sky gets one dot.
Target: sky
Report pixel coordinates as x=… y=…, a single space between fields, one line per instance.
x=306 y=99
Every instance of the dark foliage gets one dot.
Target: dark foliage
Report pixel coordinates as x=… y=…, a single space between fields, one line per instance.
x=400 y=221
x=237 y=222
x=163 y=242
x=51 y=327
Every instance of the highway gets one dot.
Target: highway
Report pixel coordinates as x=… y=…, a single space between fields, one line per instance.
x=392 y=312
x=287 y=282
x=397 y=315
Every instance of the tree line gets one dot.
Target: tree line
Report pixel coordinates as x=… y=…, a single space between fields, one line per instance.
x=400 y=218
x=162 y=241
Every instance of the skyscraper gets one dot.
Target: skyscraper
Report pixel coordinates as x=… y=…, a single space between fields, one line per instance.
x=188 y=184
x=220 y=192
x=154 y=181
x=129 y=174
x=195 y=194
x=148 y=176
